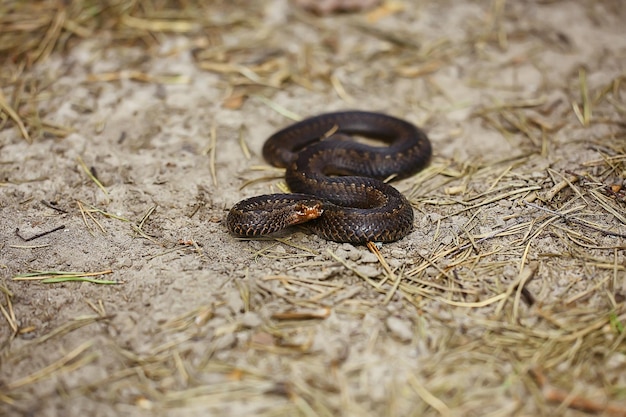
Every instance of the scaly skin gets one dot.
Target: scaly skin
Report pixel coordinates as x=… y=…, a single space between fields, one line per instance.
x=356 y=208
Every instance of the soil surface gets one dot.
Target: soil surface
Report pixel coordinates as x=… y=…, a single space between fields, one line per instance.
x=496 y=304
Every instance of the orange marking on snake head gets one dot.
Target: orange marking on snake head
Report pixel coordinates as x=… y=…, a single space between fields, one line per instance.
x=306 y=212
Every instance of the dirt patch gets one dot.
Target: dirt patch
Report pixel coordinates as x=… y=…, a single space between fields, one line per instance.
x=507 y=298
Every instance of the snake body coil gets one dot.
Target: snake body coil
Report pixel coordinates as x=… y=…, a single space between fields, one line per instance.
x=337 y=183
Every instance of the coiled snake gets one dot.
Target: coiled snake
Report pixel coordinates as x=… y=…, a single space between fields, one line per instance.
x=337 y=184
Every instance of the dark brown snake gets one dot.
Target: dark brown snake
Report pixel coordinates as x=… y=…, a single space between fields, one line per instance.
x=337 y=184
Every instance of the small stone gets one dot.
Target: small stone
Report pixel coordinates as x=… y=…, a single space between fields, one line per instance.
x=395 y=263
x=369 y=271
x=251 y=320
x=348 y=247
x=354 y=256
x=431 y=271
x=349 y=252
x=401 y=329
x=234 y=302
x=368 y=258
x=263 y=338
x=342 y=253
x=225 y=341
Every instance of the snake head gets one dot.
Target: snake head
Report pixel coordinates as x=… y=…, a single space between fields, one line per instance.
x=307 y=211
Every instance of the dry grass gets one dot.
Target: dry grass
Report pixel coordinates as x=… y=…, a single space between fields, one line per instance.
x=486 y=284
x=31 y=31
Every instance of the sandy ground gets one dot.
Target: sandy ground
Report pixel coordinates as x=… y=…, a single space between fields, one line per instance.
x=201 y=323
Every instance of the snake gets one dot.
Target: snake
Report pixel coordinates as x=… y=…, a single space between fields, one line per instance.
x=337 y=183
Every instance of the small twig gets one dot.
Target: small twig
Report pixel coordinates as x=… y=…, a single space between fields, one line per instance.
x=428 y=397
x=516 y=286
x=92 y=177
x=395 y=280
x=138 y=228
x=87 y=213
x=9 y=313
x=339 y=89
x=353 y=269
x=279 y=109
x=567 y=181
x=242 y=143
x=473 y=243
x=53 y=206
x=4 y=105
x=496 y=198
x=37 y=236
x=212 y=153
x=73 y=360
x=53 y=277
x=584 y=92
x=321 y=313
x=572 y=400
x=145 y=217
x=573 y=220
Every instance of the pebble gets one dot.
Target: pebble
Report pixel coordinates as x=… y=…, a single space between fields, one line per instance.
x=401 y=329
x=225 y=341
x=348 y=247
x=368 y=258
x=342 y=254
x=431 y=271
x=395 y=263
x=234 y=302
x=369 y=271
x=348 y=251
x=251 y=320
